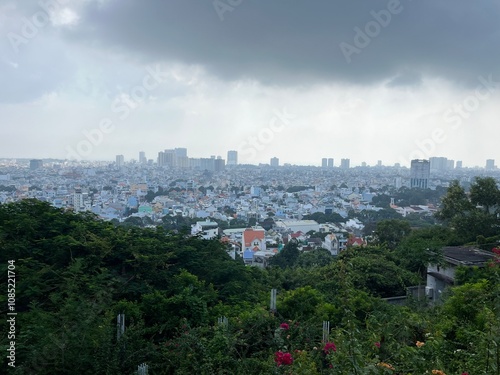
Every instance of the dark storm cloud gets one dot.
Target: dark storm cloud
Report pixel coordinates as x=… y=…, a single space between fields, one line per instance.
x=291 y=42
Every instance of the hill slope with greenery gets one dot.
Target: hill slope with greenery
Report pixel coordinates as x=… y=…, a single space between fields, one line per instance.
x=75 y=273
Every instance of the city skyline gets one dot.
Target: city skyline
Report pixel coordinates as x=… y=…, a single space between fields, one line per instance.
x=367 y=81
x=436 y=164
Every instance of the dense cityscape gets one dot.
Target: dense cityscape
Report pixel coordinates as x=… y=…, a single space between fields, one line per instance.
x=215 y=198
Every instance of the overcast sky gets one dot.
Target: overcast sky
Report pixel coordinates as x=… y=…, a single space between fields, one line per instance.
x=300 y=80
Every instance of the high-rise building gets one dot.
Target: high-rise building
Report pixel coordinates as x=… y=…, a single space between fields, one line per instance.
x=438 y=164
x=195 y=163
x=419 y=174
x=182 y=162
x=345 y=163
x=208 y=164
x=142 y=157
x=35 y=164
x=458 y=164
x=232 y=157
x=330 y=162
x=219 y=164
x=181 y=152
x=324 y=162
x=490 y=164
x=78 y=200
x=166 y=158
x=161 y=159
x=120 y=160
x=398 y=182
x=173 y=158
x=275 y=162
x=379 y=163
x=450 y=164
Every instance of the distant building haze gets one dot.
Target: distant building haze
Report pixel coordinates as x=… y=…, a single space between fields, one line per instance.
x=419 y=174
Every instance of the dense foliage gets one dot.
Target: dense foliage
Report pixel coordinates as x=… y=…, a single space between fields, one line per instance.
x=191 y=309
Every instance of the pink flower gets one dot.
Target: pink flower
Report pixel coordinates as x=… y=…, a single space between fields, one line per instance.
x=284 y=326
x=377 y=344
x=465 y=373
x=283 y=358
x=329 y=348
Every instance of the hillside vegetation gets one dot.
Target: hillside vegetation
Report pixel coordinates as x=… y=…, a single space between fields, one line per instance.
x=191 y=309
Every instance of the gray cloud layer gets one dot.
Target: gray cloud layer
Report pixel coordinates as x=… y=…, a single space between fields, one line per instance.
x=290 y=42
x=233 y=73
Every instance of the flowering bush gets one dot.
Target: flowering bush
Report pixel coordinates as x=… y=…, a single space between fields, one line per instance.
x=329 y=348
x=496 y=260
x=415 y=340
x=284 y=326
x=283 y=358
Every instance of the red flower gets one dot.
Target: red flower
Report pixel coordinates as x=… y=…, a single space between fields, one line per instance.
x=465 y=373
x=329 y=348
x=377 y=344
x=284 y=326
x=496 y=251
x=282 y=358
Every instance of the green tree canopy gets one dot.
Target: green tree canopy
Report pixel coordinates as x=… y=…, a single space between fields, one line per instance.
x=484 y=192
x=287 y=257
x=472 y=217
x=392 y=232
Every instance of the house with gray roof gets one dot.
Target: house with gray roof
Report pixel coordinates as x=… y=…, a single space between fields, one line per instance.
x=442 y=275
